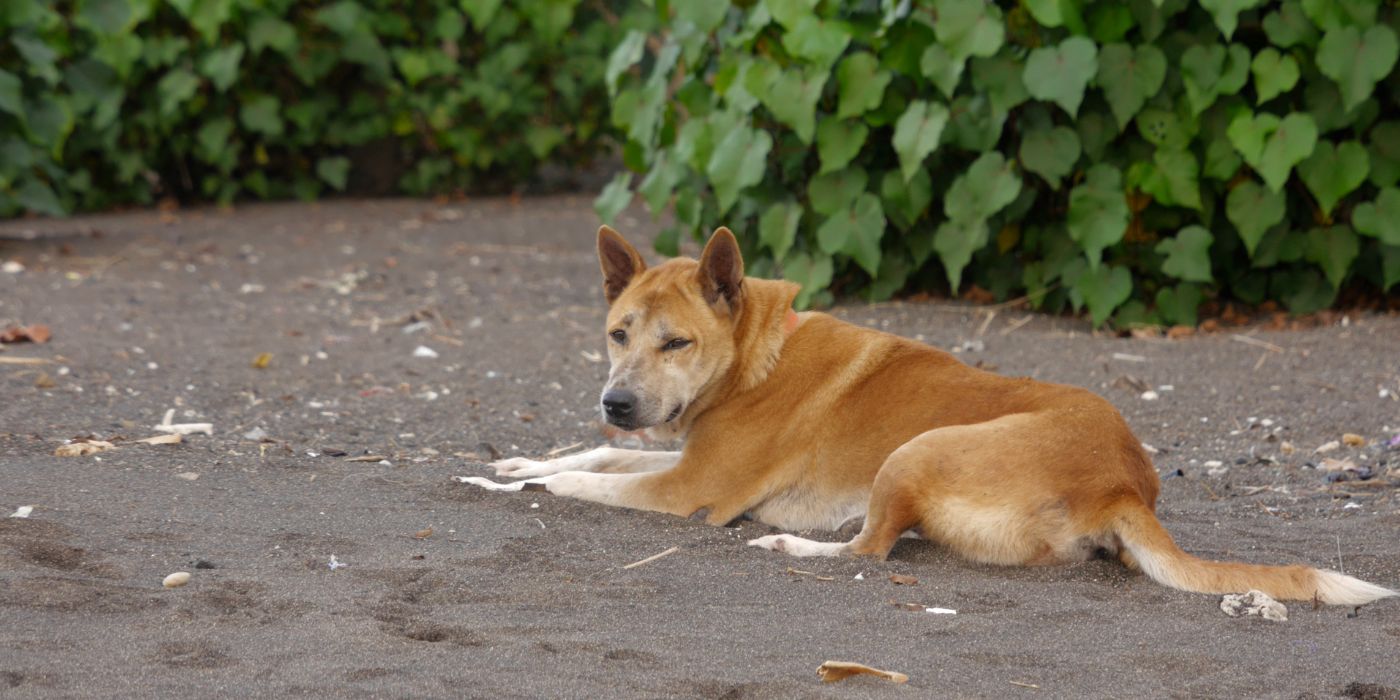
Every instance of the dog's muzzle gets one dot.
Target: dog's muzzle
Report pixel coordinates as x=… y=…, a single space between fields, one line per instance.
x=620 y=405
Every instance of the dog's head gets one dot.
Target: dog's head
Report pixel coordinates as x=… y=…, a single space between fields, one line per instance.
x=671 y=328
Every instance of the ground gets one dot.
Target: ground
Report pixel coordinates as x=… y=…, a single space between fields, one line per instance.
x=448 y=590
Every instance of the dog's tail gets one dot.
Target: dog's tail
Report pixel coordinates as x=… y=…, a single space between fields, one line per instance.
x=1159 y=557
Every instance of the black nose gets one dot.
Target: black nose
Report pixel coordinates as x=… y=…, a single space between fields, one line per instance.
x=618 y=403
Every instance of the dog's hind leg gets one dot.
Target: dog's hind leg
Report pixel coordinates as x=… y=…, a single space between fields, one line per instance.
x=606 y=460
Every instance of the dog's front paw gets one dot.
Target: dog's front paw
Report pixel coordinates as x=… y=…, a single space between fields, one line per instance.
x=488 y=484
x=777 y=543
x=522 y=468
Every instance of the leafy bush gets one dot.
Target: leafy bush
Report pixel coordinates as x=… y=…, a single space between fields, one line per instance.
x=112 y=101
x=1132 y=157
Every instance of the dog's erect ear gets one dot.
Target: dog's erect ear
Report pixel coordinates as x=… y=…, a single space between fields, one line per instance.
x=722 y=269
x=621 y=262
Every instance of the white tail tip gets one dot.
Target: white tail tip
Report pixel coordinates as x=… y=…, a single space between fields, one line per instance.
x=1336 y=588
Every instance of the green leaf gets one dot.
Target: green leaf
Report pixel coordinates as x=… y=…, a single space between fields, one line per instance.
x=614 y=198
x=220 y=66
x=481 y=12
x=988 y=185
x=11 y=95
x=213 y=139
x=1050 y=153
x=334 y=171
x=1272 y=146
x=175 y=88
x=1098 y=212
x=1332 y=172
x=1334 y=248
x=738 y=161
x=777 y=228
x=1288 y=26
x=999 y=78
x=1254 y=210
x=1211 y=71
x=1057 y=13
x=1174 y=178
x=1164 y=129
x=856 y=231
x=1380 y=218
x=106 y=16
x=1302 y=291
x=941 y=69
x=916 y=134
x=862 y=84
x=833 y=192
x=208 y=16
x=1130 y=77
x=1384 y=148
x=1060 y=74
x=1227 y=13
x=1178 y=304
x=260 y=114
x=35 y=195
x=657 y=186
x=1103 y=289
x=1331 y=14
x=1274 y=74
x=904 y=201
x=267 y=31
x=789 y=12
x=968 y=28
x=1188 y=254
x=956 y=241
x=838 y=142
x=626 y=55
x=792 y=98
x=543 y=139
x=819 y=41
x=1390 y=267
x=1357 y=61
x=813 y=272
x=706 y=15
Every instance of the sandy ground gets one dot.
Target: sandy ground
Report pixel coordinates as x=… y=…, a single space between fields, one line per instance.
x=525 y=595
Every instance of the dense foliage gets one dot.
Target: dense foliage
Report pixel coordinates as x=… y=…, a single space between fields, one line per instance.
x=1129 y=157
x=113 y=101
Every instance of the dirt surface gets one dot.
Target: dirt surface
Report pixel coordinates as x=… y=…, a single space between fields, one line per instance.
x=525 y=595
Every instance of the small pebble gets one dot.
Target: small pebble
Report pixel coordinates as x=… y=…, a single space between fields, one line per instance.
x=1150 y=396
x=177 y=579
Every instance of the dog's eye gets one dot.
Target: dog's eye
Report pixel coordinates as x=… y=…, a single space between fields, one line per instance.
x=675 y=344
x=619 y=336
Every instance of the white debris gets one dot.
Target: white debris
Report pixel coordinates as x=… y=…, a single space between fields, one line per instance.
x=1166 y=387
x=859 y=577
x=177 y=579
x=1254 y=603
x=1149 y=449
x=424 y=351
x=1150 y=395
x=337 y=564
x=12 y=267
x=1350 y=506
x=591 y=356
x=22 y=512
x=187 y=476
x=1213 y=464
x=416 y=327
x=941 y=611
x=183 y=428
x=251 y=288
x=1326 y=447
x=1125 y=357
x=534 y=505
x=256 y=434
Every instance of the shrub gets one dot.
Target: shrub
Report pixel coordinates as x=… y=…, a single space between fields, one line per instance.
x=112 y=101
x=1132 y=158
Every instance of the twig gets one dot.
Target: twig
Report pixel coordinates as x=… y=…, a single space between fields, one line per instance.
x=819 y=577
x=561 y=450
x=983 y=328
x=652 y=558
x=1015 y=325
x=1339 y=555
x=1260 y=363
x=1250 y=340
x=1024 y=685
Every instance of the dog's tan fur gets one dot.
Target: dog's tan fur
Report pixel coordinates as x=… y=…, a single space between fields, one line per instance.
x=805 y=422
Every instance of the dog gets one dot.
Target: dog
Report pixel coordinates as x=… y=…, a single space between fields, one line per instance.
x=802 y=421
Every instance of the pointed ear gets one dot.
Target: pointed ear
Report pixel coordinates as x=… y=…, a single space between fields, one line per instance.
x=722 y=269
x=621 y=262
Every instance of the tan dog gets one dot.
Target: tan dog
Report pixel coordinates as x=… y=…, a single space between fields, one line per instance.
x=802 y=421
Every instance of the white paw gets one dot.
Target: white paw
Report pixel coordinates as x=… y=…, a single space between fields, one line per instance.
x=799 y=547
x=521 y=468
x=488 y=484
x=777 y=543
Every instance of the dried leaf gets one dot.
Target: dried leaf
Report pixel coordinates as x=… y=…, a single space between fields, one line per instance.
x=366 y=458
x=424 y=534
x=833 y=671
x=83 y=448
x=1354 y=440
x=44 y=381
x=1338 y=465
x=37 y=333
x=169 y=439
x=262 y=360
x=902 y=580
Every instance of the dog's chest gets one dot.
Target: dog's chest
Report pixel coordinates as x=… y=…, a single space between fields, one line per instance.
x=805 y=508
